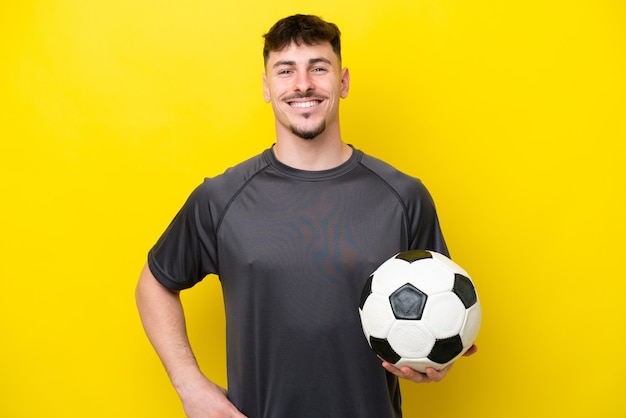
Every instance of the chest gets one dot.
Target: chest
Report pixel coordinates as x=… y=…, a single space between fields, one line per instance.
x=311 y=228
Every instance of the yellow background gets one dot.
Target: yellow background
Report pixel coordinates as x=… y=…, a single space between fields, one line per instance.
x=512 y=113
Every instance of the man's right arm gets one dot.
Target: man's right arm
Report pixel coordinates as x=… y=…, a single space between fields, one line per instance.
x=163 y=320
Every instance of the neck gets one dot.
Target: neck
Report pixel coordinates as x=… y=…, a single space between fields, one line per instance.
x=320 y=153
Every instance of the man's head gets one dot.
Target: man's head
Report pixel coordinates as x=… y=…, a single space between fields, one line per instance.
x=303 y=76
x=301 y=29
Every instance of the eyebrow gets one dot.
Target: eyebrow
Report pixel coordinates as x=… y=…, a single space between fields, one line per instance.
x=311 y=61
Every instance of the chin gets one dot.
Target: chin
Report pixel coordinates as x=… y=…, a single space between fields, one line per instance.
x=309 y=133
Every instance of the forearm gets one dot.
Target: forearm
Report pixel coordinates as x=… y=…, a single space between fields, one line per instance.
x=163 y=319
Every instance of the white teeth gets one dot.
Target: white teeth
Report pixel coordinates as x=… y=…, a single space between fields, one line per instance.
x=303 y=105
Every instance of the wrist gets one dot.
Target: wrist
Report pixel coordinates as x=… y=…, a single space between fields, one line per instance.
x=185 y=379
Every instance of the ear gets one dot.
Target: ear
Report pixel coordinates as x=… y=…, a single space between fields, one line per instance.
x=345 y=83
x=266 y=89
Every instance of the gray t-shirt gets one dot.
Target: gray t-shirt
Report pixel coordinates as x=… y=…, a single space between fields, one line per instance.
x=292 y=250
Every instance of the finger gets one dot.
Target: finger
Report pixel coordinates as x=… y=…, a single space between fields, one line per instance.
x=438 y=375
x=473 y=349
x=415 y=376
x=393 y=369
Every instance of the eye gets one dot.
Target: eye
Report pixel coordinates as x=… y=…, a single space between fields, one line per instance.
x=319 y=70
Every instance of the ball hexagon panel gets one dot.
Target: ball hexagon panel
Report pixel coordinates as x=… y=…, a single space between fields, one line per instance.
x=454 y=267
x=444 y=315
x=418 y=364
x=411 y=339
x=469 y=332
x=431 y=277
x=394 y=271
x=377 y=316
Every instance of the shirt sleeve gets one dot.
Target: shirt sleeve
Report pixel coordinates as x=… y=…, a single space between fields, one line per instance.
x=425 y=228
x=186 y=252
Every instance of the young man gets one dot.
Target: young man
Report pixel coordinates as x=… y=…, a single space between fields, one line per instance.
x=292 y=233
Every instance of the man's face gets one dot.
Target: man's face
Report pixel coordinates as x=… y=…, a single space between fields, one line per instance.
x=304 y=83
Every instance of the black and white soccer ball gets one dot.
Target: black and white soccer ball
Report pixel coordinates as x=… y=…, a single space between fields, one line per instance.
x=420 y=309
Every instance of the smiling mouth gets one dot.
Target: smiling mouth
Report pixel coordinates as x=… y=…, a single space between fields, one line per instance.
x=305 y=105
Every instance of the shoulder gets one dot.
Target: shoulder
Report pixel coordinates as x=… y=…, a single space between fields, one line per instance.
x=241 y=172
x=215 y=193
x=233 y=178
x=401 y=183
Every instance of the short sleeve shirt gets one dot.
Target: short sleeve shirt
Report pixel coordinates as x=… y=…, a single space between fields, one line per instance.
x=292 y=250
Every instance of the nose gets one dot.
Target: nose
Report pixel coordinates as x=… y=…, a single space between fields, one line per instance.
x=303 y=82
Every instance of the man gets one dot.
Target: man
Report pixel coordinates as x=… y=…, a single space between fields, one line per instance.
x=292 y=233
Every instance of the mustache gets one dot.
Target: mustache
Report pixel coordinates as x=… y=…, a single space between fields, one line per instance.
x=306 y=95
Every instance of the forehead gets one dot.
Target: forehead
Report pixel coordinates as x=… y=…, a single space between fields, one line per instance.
x=302 y=53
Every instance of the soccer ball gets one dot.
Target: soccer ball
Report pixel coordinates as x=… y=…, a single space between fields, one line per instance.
x=420 y=309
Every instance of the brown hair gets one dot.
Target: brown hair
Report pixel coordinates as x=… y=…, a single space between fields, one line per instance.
x=301 y=29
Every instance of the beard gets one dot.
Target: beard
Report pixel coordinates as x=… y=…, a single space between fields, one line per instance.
x=311 y=133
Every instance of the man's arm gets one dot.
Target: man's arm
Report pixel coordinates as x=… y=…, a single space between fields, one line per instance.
x=163 y=320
